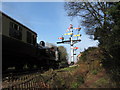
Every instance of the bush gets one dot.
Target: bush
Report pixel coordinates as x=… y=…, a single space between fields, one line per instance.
x=94 y=72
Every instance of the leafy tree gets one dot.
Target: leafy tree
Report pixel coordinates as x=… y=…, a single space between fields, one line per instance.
x=113 y=41
x=101 y=19
x=63 y=56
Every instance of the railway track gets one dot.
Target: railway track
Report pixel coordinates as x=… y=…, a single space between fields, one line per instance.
x=26 y=79
x=11 y=73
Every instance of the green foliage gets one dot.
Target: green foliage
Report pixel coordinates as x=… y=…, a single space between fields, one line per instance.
x=101 y=19
x=113 y=46
x=87 y=52
x=63 y=53
x=63 y=56
x=94 y=72
x=75 y=85
x=72 y=68
x=109 y=34
x=79 y=81
x=103 y=82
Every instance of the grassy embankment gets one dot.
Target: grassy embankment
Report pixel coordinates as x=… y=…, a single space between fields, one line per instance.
x=87 y=73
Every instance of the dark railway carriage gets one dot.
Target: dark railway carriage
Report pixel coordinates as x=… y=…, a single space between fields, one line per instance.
x=18 y=43
x=19 y=47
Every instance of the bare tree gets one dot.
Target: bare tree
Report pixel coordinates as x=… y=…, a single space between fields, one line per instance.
x=93 y=14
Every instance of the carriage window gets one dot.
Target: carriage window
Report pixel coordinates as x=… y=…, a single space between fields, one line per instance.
x=34 y=40
x=15 y=31
x=15 y=26
x=29 y=37
x=11 y=25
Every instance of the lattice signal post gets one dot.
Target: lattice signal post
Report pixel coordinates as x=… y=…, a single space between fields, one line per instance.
x=71 y=41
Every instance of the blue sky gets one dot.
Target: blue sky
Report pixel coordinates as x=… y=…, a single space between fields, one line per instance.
x=47 y=19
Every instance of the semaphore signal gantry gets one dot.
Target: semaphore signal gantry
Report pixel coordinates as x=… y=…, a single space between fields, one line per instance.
x=71 y=40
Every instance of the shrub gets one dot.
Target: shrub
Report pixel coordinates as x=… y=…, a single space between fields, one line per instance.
x=94 y=72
